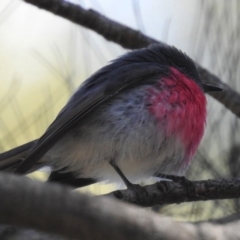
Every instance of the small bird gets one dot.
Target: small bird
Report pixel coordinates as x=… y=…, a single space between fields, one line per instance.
x=141 y=116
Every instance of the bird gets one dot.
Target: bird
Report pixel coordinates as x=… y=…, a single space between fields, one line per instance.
x=140 y=116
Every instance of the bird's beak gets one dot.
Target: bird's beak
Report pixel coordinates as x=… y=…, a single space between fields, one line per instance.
x=210 y=88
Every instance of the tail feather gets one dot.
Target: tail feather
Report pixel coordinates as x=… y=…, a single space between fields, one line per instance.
x=11 y=159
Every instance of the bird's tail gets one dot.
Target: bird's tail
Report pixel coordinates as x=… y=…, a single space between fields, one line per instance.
x=11 y=159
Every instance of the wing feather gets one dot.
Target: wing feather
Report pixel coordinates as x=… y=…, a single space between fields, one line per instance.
x=99 y=88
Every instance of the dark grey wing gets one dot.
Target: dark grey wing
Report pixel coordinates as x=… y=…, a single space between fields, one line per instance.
x=102 y=86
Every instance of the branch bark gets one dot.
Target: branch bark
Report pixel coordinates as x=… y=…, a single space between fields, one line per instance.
x=168 y=192
x=57 y=209
x=131 y=39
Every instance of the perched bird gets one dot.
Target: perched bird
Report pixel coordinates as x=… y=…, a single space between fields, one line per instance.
x=138 y=117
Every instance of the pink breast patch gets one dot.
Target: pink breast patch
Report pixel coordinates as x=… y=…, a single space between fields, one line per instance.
x=179 y=104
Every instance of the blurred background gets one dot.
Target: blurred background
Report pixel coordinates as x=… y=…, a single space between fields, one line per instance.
x=44 y=58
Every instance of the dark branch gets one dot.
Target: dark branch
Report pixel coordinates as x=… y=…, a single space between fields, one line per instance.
x=111 y=30
x=131 y=39
x=168 y=192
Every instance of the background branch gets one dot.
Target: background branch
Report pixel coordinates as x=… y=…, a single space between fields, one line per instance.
x=131 y=39
x=57 y=209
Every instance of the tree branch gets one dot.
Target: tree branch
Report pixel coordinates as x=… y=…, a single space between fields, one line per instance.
x=57 y=209
x=168 y=192
x=110 y=30
x=131 y=39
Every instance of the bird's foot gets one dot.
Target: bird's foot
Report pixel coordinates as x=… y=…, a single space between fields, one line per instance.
x=178 y=179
